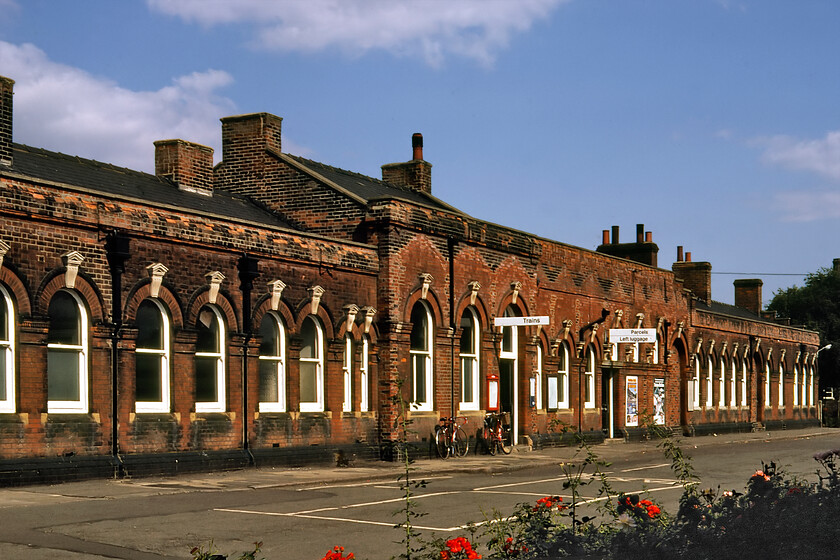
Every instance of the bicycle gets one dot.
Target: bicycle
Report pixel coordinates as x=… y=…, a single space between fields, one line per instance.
x=496 y=433
x=450 y=437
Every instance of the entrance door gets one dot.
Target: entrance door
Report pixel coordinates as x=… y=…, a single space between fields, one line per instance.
x=508 y=375
x=608 y=408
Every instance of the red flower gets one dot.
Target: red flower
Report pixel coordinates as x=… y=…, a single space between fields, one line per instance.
x=337 y=553
x=457 y=549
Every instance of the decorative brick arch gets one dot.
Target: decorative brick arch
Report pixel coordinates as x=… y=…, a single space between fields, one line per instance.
x=222 y=303
x=480 y=309
x=322 y=314
x=507 y=300
x=165 y=297
x=17 y=290
x=431 y=300
x=263 y=307
x=84 y=288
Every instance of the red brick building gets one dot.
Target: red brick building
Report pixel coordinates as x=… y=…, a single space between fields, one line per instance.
x=266 y=309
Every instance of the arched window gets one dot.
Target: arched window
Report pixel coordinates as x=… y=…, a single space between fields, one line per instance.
x=589 y=378
x=811 y=386
x=422 y=379
x=151 y=358
x=272 y=364
x=364 y=376
x=67 y=351
x=7 y=352
x=694 y=385
x=781 y=385
x=563 y=376
x=744 y=382
x=767 y=402
x=311 y=366
x=733 y=383
x=468 y=354
x=722 y=383
x=795 y=385
x=655 y=357
x=210 y=361
x=710 y=383
x=347 y=369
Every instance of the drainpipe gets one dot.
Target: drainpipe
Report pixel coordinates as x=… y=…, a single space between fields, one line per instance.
x=117 y=252
x=248 y=272
x=450 y=244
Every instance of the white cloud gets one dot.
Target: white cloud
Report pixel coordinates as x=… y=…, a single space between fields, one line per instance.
x=66 y=109
x=430 y=29
x=798 y=206
x=818 y=156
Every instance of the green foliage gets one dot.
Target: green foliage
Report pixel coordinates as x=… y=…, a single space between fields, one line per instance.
x=815 y=305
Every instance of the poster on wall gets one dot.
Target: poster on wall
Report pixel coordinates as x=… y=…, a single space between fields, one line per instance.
x=632 y=401
x=659 y=401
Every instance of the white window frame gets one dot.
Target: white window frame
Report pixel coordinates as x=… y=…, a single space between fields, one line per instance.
x=347 y=370
x=589 y=377
x=781 y=385
x=710 y=383
x=767 y=396
x=795 y=385
x=722 y=383
x=743 y=382
x=279 y=363
x=81 y=405
x=219 y=405
x=7 y=348
x=318 y=360
x=811 y=386
x=425 y=355
x=364 y=376
x=563 y=376
x=694 y=386
x=472 y=359
x=163 y=405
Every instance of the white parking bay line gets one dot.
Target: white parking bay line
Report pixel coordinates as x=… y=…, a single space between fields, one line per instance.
x=361 y=484
x=524 y=483
x=343 y=519
x=647 y=467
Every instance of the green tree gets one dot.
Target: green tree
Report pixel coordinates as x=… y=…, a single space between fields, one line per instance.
x=816 y=305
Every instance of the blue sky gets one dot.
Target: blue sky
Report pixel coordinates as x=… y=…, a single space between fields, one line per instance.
x=716 y=123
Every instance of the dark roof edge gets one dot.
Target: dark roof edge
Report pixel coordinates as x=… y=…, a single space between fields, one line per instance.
x=754 y=319
x=179 y=209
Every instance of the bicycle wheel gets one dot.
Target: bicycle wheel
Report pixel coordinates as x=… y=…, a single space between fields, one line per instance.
x=460 y=443
x=505 y=440
x=442 y=442
x=489 y=440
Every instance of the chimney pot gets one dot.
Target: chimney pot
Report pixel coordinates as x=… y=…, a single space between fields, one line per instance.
x=648 y=237
x=615 y=234
x=605 y=237
x=679 y=253
x=688 y=256
x=640 y=233
x=417 y=146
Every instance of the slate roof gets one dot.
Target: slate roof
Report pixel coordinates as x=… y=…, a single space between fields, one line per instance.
x=116 y=181
x=730 y=310
x=371 y=189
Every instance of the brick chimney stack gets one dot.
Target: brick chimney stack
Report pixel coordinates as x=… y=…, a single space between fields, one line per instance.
x=748 y=294
x=644 y=250
x=188 y=165
x=696 y=276
x=415 y=174
x=246 y=143
x=7 y=87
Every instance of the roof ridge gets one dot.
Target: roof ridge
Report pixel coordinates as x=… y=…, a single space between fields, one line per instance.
x=87 y=161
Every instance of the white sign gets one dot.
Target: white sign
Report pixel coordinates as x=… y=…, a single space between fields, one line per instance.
x=623 y=336
x=520 y=321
